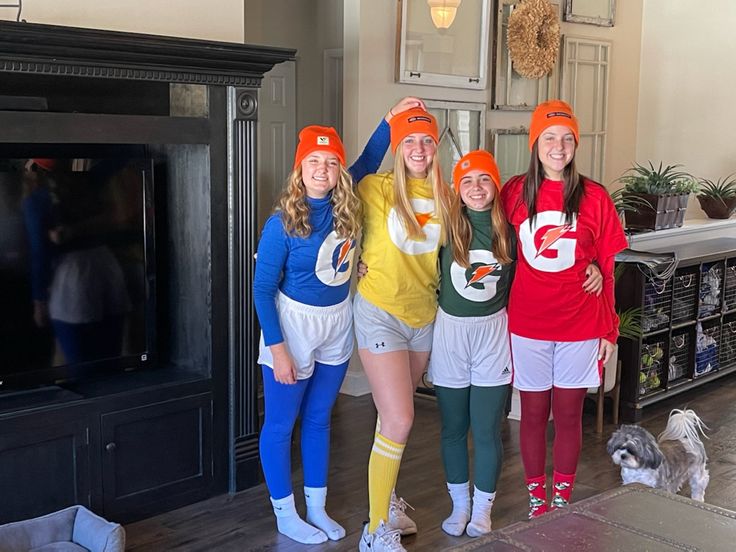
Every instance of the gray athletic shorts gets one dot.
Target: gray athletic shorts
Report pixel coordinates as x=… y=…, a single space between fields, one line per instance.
x=381 y=332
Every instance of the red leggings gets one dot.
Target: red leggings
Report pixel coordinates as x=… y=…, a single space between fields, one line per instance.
x=567 y=410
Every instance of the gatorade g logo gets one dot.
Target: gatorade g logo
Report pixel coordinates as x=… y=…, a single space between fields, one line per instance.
x=550 y=244
x=478 y=282
x=334 y=260
x=323 y=140
x=424 y=212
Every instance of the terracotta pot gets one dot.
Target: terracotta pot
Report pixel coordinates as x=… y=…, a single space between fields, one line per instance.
x=717 y=208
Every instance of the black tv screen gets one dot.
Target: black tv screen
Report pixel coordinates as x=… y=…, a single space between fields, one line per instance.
x=76 y=263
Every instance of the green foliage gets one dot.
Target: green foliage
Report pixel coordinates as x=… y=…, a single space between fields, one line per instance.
x=623 y=202
x=629 y=323
x=723 y=188
x=657 y=180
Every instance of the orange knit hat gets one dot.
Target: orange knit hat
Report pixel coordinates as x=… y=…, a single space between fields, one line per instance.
x=478 y=159
x=318 y=138
x=553 y=112
x=410 y=121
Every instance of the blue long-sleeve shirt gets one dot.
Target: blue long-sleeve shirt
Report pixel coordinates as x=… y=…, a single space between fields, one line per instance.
x=314 y=270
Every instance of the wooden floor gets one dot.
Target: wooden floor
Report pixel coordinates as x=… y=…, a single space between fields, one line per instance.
x=245 y=521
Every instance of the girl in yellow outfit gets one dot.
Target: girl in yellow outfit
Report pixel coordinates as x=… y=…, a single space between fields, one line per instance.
x=405 y=220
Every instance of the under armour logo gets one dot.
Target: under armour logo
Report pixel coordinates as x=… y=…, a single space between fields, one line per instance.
x=381 y=344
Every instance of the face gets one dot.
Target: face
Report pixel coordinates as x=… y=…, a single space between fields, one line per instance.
x=320 y=172
x=418 y=150
x=556 y=147
x=477 y=190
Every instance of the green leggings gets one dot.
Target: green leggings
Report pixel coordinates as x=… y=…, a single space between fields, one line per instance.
x=480 y=409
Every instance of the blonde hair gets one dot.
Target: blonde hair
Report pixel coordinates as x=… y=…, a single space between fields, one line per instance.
x=461 y=233
x=346 y=207
x=440 y=191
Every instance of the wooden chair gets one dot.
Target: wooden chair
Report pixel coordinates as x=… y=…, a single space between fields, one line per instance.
x=611 y=386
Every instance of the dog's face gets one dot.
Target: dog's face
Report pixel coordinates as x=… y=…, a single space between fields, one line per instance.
x=634 y=447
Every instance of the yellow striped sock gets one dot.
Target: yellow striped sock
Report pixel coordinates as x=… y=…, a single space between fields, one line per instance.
x=383 y=470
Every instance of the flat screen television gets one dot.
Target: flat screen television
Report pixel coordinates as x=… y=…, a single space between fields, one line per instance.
x=77 y=262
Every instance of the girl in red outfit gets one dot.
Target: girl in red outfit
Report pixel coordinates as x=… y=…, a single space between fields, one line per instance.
x=560 y=335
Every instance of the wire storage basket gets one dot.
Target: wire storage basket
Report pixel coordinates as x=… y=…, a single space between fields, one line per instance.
x=685 y=295
x=679 y=357
x=711 y=281
x=728 y=342
x=652 y=365
x=708 y=339
x=657 y=305
x=730 y=285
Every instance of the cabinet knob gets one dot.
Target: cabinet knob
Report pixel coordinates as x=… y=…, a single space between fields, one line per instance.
x=110 y=447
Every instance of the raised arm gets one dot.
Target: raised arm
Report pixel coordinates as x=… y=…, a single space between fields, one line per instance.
x=375 y=149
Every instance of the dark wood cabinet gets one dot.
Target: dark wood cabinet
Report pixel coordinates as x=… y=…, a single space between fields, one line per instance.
x=43 y=467
x=688 y=325
x=153 y=454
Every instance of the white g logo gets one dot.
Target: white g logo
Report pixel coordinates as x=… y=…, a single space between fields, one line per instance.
x=334 y=260
x=424 y=211
x=550 y=244
x=484 y=270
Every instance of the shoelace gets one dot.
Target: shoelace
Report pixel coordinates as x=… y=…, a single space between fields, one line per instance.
x=400 y=504
x=391 y=539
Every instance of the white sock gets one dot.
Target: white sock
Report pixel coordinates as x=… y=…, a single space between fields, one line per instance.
x=316 y=514
x=480 y=521
x=290 y=524
x=460 y=495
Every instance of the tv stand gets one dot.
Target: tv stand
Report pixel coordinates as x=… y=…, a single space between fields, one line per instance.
x=131 y=445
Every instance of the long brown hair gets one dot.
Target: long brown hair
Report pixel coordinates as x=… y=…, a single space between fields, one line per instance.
x=346 y=207
x=440 y=191
x=461 y=232
x=573 y=188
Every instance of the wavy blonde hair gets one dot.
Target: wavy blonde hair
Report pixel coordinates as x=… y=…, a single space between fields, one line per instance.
x=461 y=232
x=346 y=207
x=440 y=191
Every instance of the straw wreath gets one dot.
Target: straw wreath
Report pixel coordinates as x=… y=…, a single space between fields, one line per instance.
x=534 y=38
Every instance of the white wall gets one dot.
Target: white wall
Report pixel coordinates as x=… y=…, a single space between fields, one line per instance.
x=686 y=107
x=309 y=26
x=370 y=50
x=207 y=20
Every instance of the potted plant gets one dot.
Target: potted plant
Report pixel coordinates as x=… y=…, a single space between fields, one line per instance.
x=663 y=192
x=718 y=197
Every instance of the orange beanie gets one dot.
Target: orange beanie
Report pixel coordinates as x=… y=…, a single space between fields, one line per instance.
x=410 y=121
x=478 y=159
x=318 y=138
x=553 y=112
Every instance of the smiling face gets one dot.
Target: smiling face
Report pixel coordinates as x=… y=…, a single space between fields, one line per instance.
x=477 y=190
x=320 y=171
x=556 y=147
x=418 y=151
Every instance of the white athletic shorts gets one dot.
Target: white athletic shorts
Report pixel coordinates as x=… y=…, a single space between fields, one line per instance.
x=312 y=334
x=470 y=350
x=381 y=332
x=539 y=365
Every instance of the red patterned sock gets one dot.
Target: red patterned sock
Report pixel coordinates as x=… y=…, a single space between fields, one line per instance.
x=537 y=487
x=561 y=490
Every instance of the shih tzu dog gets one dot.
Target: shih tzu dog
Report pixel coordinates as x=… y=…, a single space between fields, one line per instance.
x=677 y=456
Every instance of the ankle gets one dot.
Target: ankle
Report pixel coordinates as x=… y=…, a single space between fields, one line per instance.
x=562 y=485
x=537 y=488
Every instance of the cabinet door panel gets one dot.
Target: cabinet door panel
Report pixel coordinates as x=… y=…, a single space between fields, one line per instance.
x=154 y=453
x=43 y=469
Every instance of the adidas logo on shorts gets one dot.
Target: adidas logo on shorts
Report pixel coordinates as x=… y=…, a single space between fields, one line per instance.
x=506 y=371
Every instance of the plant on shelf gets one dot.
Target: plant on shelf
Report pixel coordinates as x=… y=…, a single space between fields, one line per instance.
x=718 y=197
x=661 y=192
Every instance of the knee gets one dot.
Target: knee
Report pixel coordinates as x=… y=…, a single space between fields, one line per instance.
x=398 y=426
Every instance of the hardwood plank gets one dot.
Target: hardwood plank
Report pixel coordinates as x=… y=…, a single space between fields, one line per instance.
x=244 y=521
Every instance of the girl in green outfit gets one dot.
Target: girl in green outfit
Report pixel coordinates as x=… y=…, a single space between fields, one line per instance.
x=470 y=365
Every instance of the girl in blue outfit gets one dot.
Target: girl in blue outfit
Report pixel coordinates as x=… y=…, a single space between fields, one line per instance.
x=301 y=294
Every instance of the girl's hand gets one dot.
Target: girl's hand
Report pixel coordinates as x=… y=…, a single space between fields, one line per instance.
x=404 y=103
x=593 y=279
x=284 y=370
x=362 y=269
x=605 y=350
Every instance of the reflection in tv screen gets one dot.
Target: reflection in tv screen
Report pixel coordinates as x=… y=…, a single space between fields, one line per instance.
x=73 y=277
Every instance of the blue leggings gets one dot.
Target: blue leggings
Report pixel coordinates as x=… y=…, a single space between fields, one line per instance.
x=312 y=400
